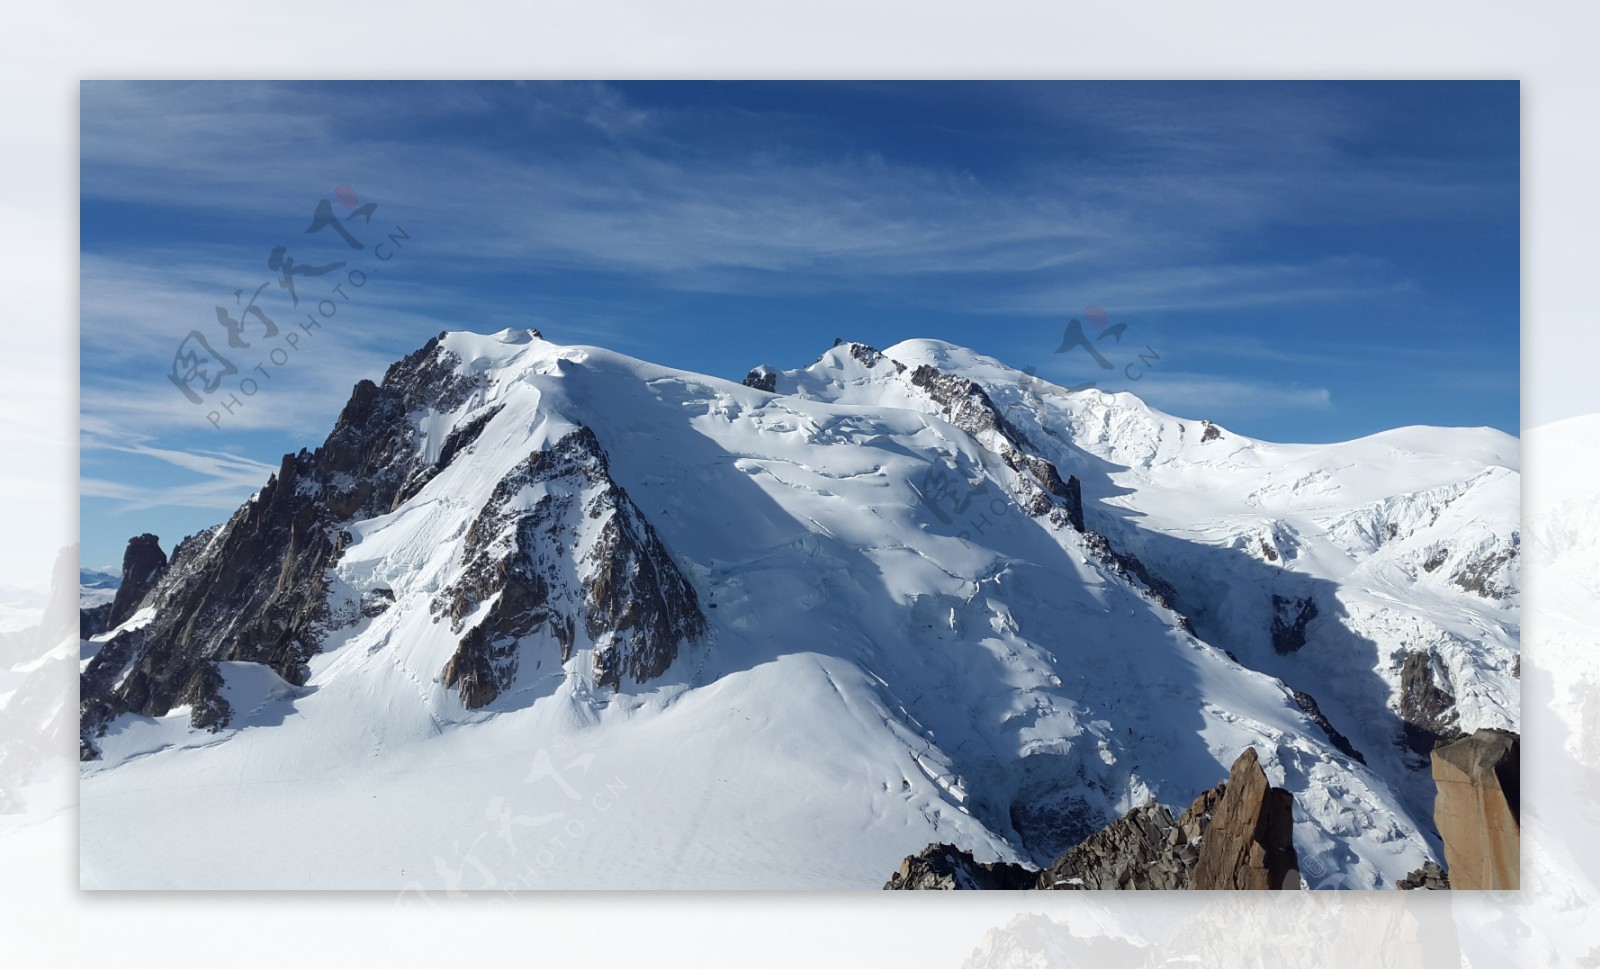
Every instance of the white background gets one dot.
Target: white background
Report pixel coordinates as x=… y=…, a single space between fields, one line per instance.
x=49 y=47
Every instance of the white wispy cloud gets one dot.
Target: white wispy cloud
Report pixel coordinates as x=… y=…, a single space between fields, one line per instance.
x=211 y=479
x=651 y=200
x=1201 y=394
x=1214 y=286
x=600 y=185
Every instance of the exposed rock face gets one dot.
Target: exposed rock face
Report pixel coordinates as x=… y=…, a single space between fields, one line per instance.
x=872 y=356
x=1236 y=835
x=1491 y=576
x=1042 y=493
x=92 y=620
x=255 y=589
x=1478 y=809
x=1211 y=432
x=1144 y=849
x=1308 y=704
x=1129 y=567
x=620 y=586
x=1250 y=841
x=142 y=564
x=762 y=378
x=1430 y=876
x=1050 y=819
x=1075 y=503
x=1290 y=616
x=942 y=866
x=1427 y=707
x=965 y=404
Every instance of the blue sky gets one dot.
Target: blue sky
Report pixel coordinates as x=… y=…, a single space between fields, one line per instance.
x=1311 y=261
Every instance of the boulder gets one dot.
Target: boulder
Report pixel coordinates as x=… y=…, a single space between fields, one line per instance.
x=1430 y=876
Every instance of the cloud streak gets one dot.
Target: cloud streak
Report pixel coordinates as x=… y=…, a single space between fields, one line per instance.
x=701 y=226
x=647 y=196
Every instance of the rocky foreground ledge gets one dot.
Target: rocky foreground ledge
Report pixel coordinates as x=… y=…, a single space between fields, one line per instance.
x=1478 y=809
x=1238 y=835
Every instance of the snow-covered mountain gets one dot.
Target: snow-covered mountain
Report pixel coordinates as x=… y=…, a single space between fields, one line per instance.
x=547 y=616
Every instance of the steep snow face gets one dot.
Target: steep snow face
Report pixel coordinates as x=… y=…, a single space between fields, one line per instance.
x=703 y=634
x=1327 y=565
x=1379 y=575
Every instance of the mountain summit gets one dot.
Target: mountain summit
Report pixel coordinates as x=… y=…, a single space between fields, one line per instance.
x=784 y=633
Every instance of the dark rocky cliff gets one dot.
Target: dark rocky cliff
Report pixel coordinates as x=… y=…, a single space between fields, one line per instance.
x=256 y=587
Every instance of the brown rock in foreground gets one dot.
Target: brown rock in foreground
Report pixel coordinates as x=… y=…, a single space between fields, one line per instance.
x=1429 y=876
x=1144 y=849
x=1250 y=841
x=1478 y=809
x=942 y=866
x=1251 y=822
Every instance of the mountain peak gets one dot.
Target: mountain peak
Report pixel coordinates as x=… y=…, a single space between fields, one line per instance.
x=896 y=596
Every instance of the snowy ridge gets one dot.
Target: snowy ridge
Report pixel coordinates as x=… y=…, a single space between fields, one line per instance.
x=792 y=650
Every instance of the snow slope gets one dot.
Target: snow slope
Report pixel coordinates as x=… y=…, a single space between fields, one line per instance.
x=889 y=659
x=1380 y=533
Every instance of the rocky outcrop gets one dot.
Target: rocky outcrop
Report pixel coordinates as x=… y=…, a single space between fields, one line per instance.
x=1478 y=808
x=550 y=573
x=1250 y=841
x=1308 y=705
x=1290 y=617
x=1129 y=567
x=1144 y=849
x=942 y=866
x=1427 y=707
x=255 y=588
x=762 y=378
x=92 y=620
x=1041 y=491
x=142 y=565
x=1429 y=876
x=1236 y=835
x=1074 y=498
x=872 y=356
x=1492 y=576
